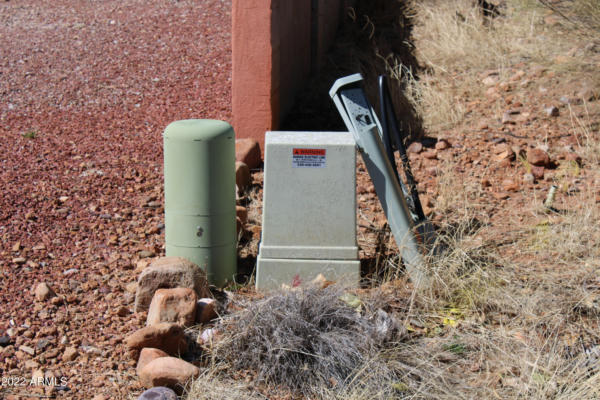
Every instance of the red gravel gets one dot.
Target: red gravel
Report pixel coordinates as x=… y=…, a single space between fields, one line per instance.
x=95 y=83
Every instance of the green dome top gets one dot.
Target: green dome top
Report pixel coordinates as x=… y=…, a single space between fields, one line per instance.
x=197 y=130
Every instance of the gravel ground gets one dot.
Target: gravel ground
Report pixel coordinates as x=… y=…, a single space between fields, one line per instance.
x=87 y=87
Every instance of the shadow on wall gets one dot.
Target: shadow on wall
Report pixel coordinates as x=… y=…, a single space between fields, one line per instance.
x=372 y=35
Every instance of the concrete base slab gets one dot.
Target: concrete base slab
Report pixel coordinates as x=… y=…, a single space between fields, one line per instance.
x=271 y=273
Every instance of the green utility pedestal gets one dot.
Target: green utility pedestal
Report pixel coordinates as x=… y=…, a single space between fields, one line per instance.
x=200 y=222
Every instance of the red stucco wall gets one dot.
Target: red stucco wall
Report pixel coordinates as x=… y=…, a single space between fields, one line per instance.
x=275 y=44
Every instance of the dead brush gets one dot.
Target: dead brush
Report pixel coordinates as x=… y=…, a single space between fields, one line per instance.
x=305 y=339
x=213 y=385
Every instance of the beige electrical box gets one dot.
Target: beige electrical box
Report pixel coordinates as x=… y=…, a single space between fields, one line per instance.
x=309 y=209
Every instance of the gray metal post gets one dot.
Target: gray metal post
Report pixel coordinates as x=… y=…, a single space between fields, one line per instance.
x=360 y=119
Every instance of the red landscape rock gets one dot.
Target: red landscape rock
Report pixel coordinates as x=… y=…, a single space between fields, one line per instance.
x=415 y=148
x=537 y=172
x=169 y=272
x=206 y=310
x=164 y=336
x=70 y=354
x=430 y=154
x=442 y=144
x=248 y=152
x=243 y=179
x=176 y=305
x=168 y=371
x=573 y=157
x=538 y=157
x=147 y=355
x=43 y=292
x=242 y=213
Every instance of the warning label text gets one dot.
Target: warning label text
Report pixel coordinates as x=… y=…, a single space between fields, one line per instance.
x=308 y=158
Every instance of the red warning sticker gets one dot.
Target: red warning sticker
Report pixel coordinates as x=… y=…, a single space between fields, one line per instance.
x=309 y=158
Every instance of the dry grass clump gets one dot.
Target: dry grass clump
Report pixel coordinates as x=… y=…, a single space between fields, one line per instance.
x=212 y=384
x=306 y=339
x=455 y=44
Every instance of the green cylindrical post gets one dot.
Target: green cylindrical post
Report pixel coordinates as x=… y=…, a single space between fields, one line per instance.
x=200 y=222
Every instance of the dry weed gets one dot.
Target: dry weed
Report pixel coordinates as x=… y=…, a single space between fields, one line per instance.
x=456 y=45
x=212 y=384
x=305 y=339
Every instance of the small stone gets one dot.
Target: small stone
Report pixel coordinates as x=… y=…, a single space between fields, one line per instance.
x=154 y=204
x=147 y=355
x=70 y=271
x=169 y=272
x=507 y=118
x=505 y=155
x=505 y=86
x=537 y=172
x=492 y=91
x=168 y=371
x=43 y=292
x=483 y=126
x=442 y=144
x=146 y=254
x=552 y=111
x=500 y=195
x=573 y=157
x=243 y=179
x=528 y=178
x=248 y=152
x=123 y=311
x=206 y=337
x=242 y=213
x=27 y=349
x=141 y=265
x=517 y=75
x=430 y=154
x=19 y=260
x=538 y=157
x=42 y=344
x=16 y=247
x=176 y=305
x=206 y=310
x=164 y=336
x=490 y=80
x=509 y=185
x=567 y=100
x=32 y=365
x=158 y=393
x=70 y=354
x=91 y=350
x=56 y=301
x=415 y=148
x=4 y=340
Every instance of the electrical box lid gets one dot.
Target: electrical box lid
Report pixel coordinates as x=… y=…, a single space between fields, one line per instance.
x=197 y=130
